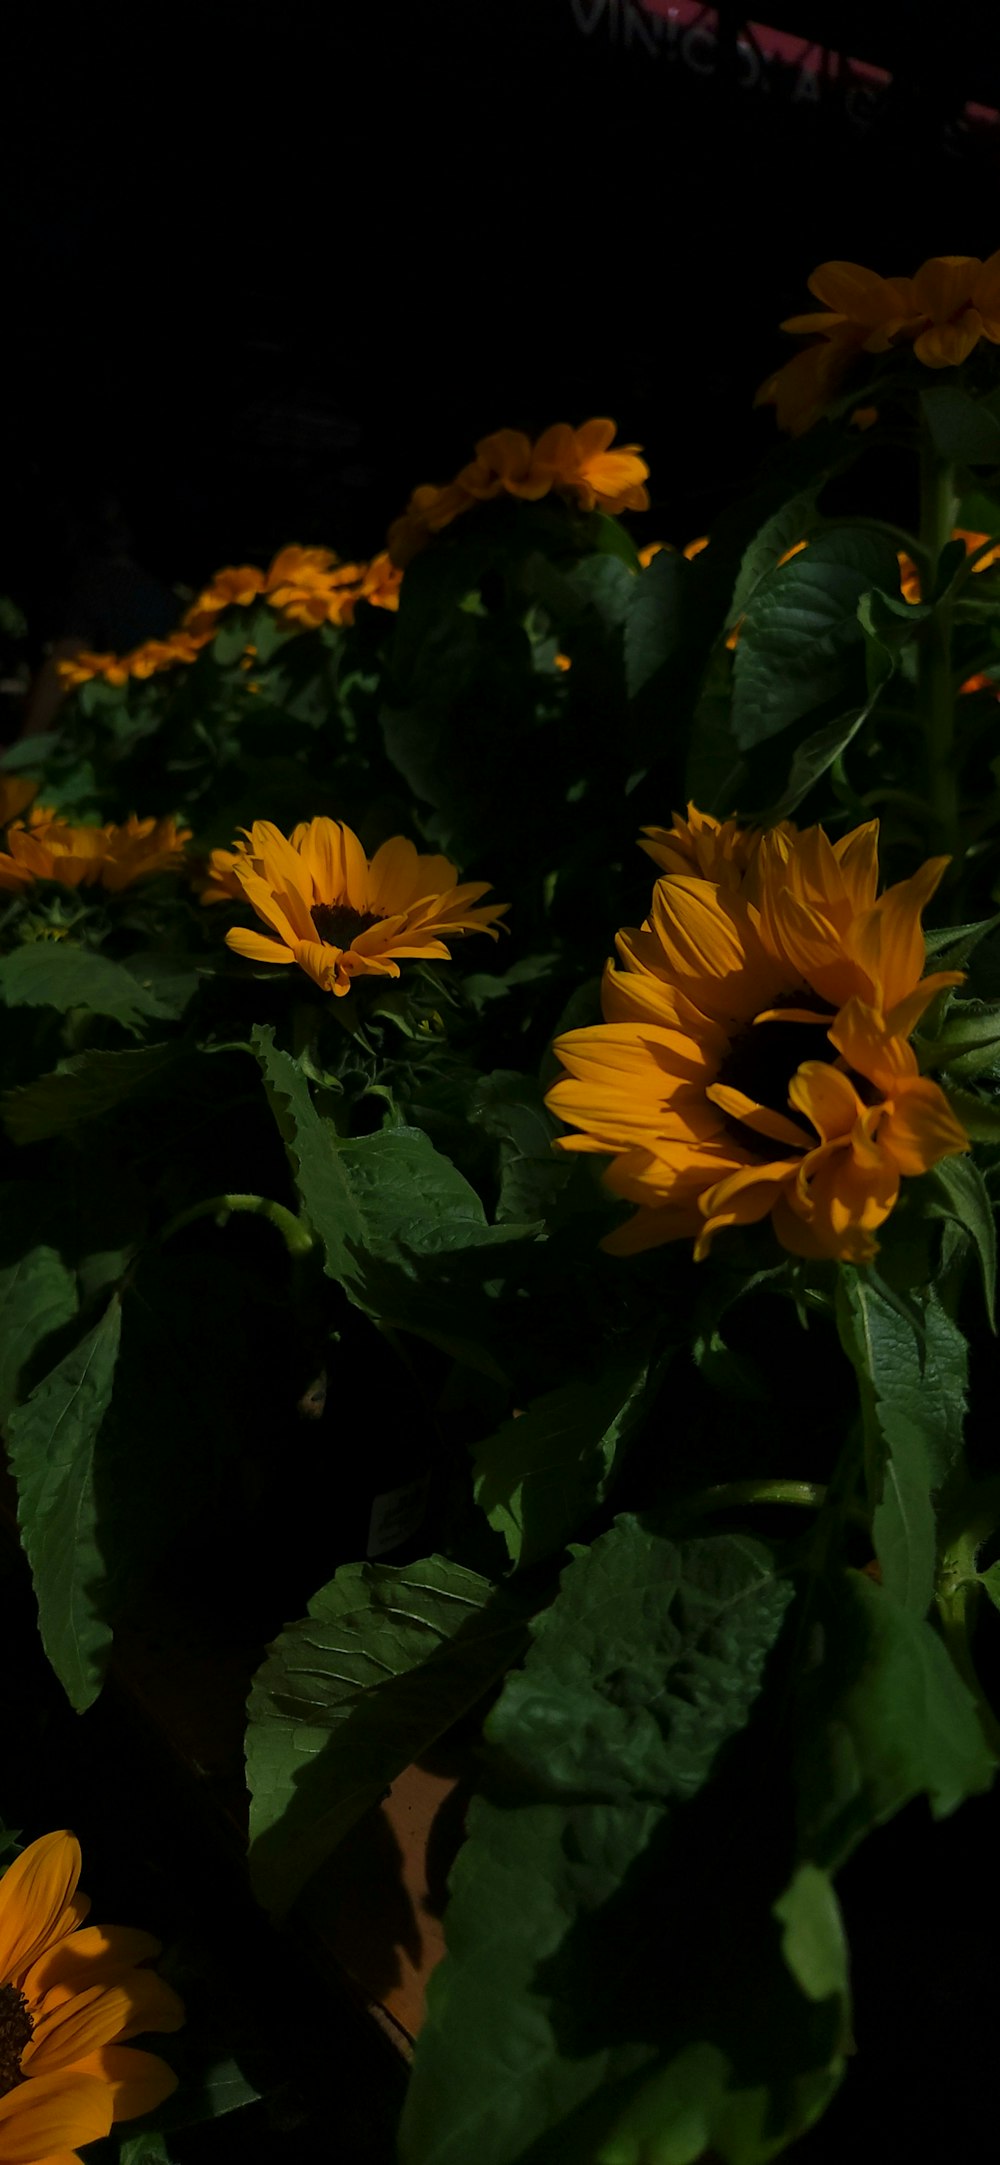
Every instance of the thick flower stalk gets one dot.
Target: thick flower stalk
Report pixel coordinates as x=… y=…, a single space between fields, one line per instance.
x=754 y=1058
x=71 y=1997
x=942 y=312
x=339 y=916
x=113 y=856
x=582 y=464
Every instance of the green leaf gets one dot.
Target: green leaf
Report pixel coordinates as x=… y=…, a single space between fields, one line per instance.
x=47 y=973
x=387 y=1659
x=980 y=1117
x=401 y=1229
x=51 y=1443
x=911 y=1375
x=80 y=1088
x=989 y=1580
x=554 y=2018
x=148 y=2148
x=816 y=755
x=533 y=1176
x=801 y=643
x=951 y=945
x=885 y=1718
x=37 y=1290
x=814 y=1945
x=655 y=625
x=963 y=1197
x=30 y=753
x=539 y=1476
x=963 y=429
x=789 y=524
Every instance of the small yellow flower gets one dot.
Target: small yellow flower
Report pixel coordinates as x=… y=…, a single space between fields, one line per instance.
x=381 y=581
x=71 y=1997
x=113 y=856
x=82 y=668
x=235 y=587
x=580 y=463
x=753 y=1060
x=338 y=916
x=182 y=646
x=943 y=312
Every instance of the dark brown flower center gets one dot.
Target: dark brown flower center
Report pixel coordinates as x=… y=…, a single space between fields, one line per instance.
x=761 y=1062
x=338 y=924
x=16 y=2030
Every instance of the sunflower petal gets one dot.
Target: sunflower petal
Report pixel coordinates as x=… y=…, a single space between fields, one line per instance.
x=53 y=2114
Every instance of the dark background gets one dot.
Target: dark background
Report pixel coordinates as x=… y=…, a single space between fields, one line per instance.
x=267 y=268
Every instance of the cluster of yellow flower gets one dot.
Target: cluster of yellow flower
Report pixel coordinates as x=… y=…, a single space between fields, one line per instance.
x=578 y=462
x=754 y=1056
x=45 y=847
x=942 y=312
x=328 y=908
x=307 y=586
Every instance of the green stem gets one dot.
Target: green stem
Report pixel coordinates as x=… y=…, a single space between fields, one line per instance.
x=935 y=688
x=297 y=1236
x=732 y=1495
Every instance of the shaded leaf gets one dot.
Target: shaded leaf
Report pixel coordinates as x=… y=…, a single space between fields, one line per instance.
x=816 y=756
x=401 y=1229
x=46 y=973
x=963 y=428
x=81 y=1088
x=885 y=1718
x=656 y=623
x=388 y=1657
x=37 y=1289
x=963 y=1197
x=51 y=1442
x=539 y=1476
x=912 y=1375
x=552 y=2017
x=801 y=643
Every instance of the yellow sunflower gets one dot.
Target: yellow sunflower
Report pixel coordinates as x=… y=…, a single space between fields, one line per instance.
x=69 y=2000
x=581 y=463
x=753 y=1060
x=339 y=916
x=111 y=856
x=942 y=312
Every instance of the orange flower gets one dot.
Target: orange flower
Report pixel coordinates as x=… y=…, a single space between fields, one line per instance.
x=338 y=916
x=81 y=668
x=143 y=661
x=578 y=462
x=72 y=1996
x=235 y=587
x=753 y=1060
x=312 y=587
x=112 y=857
x=16 y=793
x=381 y=581
x=213 y=877
x=943 y=312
